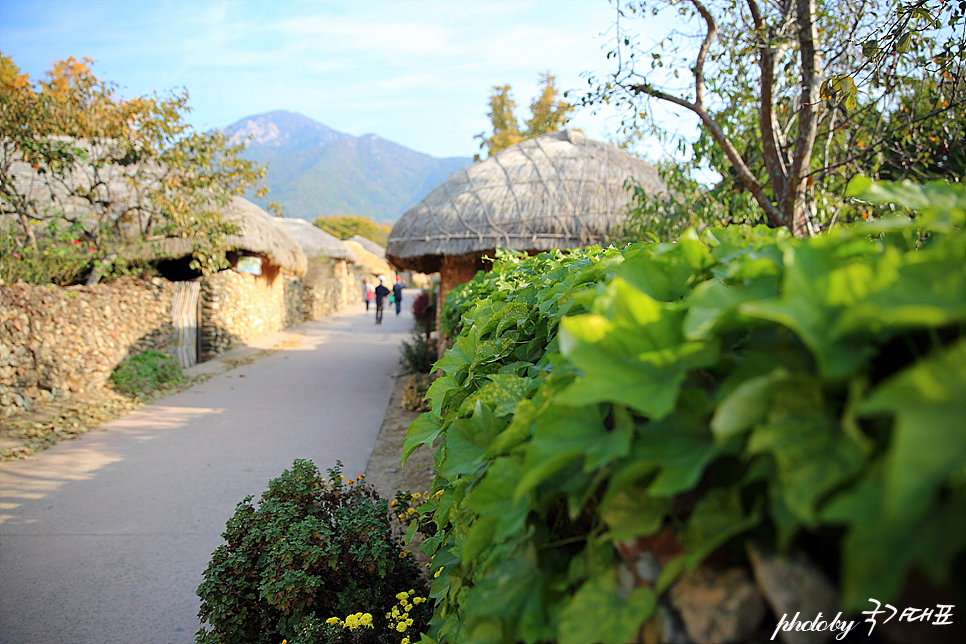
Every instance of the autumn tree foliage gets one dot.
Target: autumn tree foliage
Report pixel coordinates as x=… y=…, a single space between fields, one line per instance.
x=795 y=97
x=345 y=226
x=118 y=171
x=547 y=114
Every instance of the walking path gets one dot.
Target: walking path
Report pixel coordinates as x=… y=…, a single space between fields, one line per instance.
x=104 y=539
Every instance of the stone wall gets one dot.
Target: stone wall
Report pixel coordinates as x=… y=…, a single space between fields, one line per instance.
x=55 y=341
x=239 y=307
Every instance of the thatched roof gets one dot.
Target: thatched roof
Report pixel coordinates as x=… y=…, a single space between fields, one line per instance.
x=114 y=186
x=314 y=241
x=258 y=234
x=369 y=262
x=559 y=190
x=369 y=245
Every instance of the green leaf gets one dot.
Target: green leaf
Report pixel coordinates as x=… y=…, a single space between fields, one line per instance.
x=676 y=449
x=717 y=517
x=437 y=393
x=481 y=428
x=635 y=354
x=462 y=457
x=598 y=612
x=747 y=405
x=566 y=434
x=812 y=452
x=422 y=431
x=929 y=406
x=633 y=513
x=501 y=394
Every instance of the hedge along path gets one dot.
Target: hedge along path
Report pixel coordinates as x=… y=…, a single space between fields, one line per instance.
x=738 y=384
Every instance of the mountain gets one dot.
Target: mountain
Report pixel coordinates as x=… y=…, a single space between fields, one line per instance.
x=314 y=170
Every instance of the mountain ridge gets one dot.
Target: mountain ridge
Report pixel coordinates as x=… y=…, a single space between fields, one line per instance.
x=315 y=170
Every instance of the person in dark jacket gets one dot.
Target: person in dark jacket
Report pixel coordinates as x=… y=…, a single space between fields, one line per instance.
x=381 y=293
x=397 y=290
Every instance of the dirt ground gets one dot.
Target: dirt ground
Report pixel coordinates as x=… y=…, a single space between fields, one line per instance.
x=384 y=471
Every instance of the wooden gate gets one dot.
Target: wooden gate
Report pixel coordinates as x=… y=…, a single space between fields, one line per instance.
x=184 y=316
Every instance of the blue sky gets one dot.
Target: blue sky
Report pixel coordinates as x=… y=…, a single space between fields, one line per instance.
x=417 y=72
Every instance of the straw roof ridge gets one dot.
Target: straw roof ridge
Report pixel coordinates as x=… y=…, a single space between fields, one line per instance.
x=368 y=262
x=314 y=241
x=369 y=245
x=258 y=233
x=558 y=190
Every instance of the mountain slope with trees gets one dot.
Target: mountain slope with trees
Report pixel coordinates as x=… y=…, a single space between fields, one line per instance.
x=316 y=171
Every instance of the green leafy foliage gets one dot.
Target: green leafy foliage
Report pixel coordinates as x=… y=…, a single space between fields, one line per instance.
x=313 y=548
x=145 y=373
x=739 y=383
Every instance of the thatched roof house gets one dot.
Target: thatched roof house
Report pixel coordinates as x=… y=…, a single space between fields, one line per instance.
x=258 y=234
x=314 y=241
x=559 y=190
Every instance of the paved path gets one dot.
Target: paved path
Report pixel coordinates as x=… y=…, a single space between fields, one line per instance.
x=103 y=539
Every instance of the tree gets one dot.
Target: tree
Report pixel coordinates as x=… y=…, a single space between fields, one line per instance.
x=118 y=171
x=345 y=226
x=547 y=114
x=796 y=96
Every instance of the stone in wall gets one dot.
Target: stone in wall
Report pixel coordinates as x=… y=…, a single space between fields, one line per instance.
x=55 y=341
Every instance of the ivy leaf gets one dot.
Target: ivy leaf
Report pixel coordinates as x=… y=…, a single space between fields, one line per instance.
x=422 y=431
x=747 y=405
x=634 y=353
x=676 y=448
x=501 y=394
x=927 y=446
x=565 y=434
x=717 y=517
x=438 y=392
x=813 y=454
x=598 y=612
x=632 y=512
x=879 y=550
x=481 y=428
x=713 y=305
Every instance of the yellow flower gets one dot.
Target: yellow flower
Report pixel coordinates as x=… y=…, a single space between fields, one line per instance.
x=409 y=622
x=366 y=620
x=402 y=596
x=418 y=600
x=404 y=640
x=401 y=627
x=438 y=570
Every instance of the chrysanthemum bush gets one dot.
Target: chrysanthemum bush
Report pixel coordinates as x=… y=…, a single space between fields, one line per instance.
x=316 y=560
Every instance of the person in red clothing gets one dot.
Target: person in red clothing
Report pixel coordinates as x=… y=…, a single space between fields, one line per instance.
x=397 y=290
x=381 y=293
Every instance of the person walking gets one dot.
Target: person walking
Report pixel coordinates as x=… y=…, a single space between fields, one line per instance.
x=380 y=294
x=397 y=290
x=368 y=294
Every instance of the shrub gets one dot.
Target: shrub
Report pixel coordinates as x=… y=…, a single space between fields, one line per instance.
x=688 y=399
x=414 y=393
x=418 y=354
x=424 y=309
x=311 y=550
x=63 y=256
x=145 y=373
